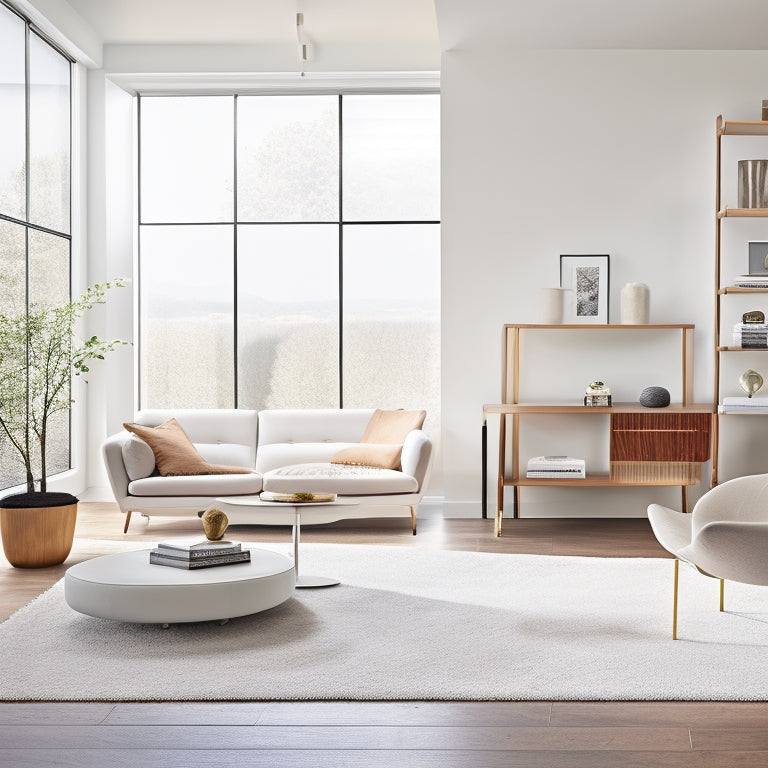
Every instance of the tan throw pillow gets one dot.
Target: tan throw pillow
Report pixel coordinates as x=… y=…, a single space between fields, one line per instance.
x=369 y=455
x=175 y=454
x=382 y=441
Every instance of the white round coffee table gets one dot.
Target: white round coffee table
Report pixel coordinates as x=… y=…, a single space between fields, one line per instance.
x=127 y=587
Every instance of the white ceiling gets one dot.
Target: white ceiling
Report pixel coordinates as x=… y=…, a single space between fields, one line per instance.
x=260 y=21
x=428 y=24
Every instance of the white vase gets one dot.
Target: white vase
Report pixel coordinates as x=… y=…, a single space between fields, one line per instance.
x=635 y=304
x=551 y=305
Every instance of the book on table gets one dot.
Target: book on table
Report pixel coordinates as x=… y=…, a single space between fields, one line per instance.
x=161 y=557
x=192 y=548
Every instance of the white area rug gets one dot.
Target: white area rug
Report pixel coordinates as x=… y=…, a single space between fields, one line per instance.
x=417 y=624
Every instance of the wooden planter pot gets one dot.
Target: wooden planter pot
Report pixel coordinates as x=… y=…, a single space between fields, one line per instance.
x=37 y=528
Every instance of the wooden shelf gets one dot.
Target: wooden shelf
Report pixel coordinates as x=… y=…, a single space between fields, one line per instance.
x=741 y=349
x=743 y=213
x=605 y=326
x=575 y=408
x=724 y=309
x=734 y=289
x=623 y=473
x=743 y=127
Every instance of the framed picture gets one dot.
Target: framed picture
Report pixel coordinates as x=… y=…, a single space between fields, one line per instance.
x=586 y=278
x=758 y=258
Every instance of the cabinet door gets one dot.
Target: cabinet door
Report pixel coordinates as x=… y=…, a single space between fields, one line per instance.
x=660 y=436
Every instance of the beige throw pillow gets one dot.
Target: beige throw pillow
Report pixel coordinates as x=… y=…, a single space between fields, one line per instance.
x=382 y=442
x=175 y=454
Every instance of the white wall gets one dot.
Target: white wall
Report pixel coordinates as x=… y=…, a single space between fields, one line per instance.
x=552 y=152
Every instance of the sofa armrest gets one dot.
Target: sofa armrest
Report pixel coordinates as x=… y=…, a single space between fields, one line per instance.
x=112 y=452
x=416 y=457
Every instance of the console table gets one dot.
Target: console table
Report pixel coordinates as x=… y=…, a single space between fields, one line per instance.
x=648 y=446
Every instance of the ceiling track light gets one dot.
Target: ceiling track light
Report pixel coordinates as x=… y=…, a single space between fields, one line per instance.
x=301 y=37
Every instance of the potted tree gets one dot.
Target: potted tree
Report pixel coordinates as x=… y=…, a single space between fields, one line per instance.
x=38 y=355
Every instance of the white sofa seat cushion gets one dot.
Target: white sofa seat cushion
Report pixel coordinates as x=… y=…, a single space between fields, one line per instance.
x=197 y=485
x=343 y=479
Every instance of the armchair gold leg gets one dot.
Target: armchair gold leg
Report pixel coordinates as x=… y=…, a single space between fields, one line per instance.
x=413 y=519
x=722 y=595
x=674 y=600
x=127 y=521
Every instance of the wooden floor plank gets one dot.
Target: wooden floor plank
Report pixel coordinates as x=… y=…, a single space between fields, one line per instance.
x=690 y=714
x=444 y=714
x=185 y=713
x=226 y=758
x=730 y=738
x=349 y=737
x=36 y=713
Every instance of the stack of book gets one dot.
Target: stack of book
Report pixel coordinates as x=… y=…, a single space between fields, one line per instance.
x=195 y=553
x=750 y=335
x=556 y=467
x=744 y=405
x=751 y=281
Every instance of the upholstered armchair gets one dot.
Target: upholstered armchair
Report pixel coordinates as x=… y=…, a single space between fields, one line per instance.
x=725 y=536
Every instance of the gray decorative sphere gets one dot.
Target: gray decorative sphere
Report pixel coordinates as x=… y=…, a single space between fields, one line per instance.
x=654 y=397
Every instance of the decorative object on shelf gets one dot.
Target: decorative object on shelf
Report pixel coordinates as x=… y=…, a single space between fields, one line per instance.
x=588 y=279
x=215 y=523
x=551 y=305
x=755 y=316
x=635 y=304
x=753 y=183
x=654 y=397
x=758 y=257
x=597 y=395
x=750 y=381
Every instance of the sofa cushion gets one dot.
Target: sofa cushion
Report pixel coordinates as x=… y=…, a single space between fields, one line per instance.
x=138 y=458
x=175 y=454
x=342 y=479
x=197 y=485
x=363 y=454
x=382 y=441
x=392 y=426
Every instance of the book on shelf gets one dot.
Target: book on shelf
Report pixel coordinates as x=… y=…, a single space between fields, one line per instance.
x=158 y=557
x=554 y=467
x=744 y=405
x=751 y=281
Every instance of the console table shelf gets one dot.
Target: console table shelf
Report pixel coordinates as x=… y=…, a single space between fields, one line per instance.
x=648 y=446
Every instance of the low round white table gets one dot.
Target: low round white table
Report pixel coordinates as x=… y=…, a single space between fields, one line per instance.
x=127 y=587
x=309 y=509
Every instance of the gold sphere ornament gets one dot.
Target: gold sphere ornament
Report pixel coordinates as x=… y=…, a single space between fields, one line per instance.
x=215 y=523
x=750 y=381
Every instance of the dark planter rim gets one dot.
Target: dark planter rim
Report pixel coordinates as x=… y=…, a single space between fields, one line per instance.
x=37 y=499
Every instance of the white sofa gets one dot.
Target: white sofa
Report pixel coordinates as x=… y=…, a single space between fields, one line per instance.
x=289 y=451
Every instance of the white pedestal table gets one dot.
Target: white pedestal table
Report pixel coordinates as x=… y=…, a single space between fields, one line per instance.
x=308 y=509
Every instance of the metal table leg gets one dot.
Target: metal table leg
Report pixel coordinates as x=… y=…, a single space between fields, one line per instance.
x=306 y=582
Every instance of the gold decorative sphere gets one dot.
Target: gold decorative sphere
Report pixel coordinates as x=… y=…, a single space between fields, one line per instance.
x=215 y=523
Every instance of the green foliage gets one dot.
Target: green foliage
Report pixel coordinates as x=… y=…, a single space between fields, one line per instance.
x=38 y=353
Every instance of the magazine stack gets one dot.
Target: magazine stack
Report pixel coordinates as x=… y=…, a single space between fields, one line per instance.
x=750 y=335
x=556 y=467
x=192 y=554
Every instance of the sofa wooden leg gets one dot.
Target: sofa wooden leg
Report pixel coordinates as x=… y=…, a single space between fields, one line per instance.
x=127 y=521
x=413 y=519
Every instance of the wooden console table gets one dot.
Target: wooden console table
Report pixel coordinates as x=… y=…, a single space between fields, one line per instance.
x=648 y=446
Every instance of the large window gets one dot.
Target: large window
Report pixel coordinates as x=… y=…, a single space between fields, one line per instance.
x=290 y=251
x=35 y=98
